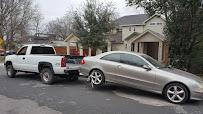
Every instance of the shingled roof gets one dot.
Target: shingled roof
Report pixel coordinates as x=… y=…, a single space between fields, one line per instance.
x=132 y=19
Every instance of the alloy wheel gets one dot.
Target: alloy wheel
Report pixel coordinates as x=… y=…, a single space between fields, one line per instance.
x=9 y=71
x=46 y=76
x=96 y=77
x=176 y=94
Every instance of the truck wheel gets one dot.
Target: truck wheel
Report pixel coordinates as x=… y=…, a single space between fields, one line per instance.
x=11 y=73
x=47 y=76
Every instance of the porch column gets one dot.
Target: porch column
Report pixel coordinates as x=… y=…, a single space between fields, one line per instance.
x=90 y=52
x=127 y=46
x=141 y=48
x=68 y=50
x=160 y=50
x=81 y=51
x=98 y=51
x=109 y=46
x=136 y=46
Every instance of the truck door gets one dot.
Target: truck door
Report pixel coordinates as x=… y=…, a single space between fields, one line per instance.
x=20 y=60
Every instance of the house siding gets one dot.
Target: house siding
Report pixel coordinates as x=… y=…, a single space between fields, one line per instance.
x=126 y=32
x=155 y=28
x=116 y=47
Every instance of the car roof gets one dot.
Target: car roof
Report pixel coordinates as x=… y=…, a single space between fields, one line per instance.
x=127 y=52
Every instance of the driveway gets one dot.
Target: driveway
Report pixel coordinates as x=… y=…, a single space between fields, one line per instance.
x=25 y=94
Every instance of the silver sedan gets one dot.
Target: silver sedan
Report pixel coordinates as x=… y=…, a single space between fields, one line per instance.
x=142 y=72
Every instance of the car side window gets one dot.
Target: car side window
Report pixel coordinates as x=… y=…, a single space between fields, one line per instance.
x=115 y=57
x=22 y=51
x=132 y=60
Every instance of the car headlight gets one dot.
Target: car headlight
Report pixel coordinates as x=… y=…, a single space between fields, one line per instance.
x=201 y=85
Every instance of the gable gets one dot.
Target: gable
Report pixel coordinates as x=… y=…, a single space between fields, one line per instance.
x=148 y=36
x=155 y=19
x=72 y=38
x=156 y=24
x=155 y=16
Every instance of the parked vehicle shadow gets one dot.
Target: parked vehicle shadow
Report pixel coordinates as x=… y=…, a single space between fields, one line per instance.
x=136 y=93
x=36 y=77
x=129 y=90
x=108 y=87
x=64 y=81
x=28 y=76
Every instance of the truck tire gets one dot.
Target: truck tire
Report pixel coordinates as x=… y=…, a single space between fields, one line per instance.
x=10 y=71
x=47 y=76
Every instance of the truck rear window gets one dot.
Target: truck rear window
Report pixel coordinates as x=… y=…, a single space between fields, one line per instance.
x=42 y=50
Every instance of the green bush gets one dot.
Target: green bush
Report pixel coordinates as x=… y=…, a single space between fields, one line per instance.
x=197 y=60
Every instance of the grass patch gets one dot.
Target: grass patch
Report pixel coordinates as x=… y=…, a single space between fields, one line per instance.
x=2 y=59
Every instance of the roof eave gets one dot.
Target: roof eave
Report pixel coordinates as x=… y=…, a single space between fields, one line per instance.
x=132 y=25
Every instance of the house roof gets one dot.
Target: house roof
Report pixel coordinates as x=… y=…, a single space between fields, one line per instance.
x=59 y=43
x=116 y=38
x=161 y=37
x=41 y=38
x=132 y=19
x=161 y=16
x=1 y=50
x=132 y=35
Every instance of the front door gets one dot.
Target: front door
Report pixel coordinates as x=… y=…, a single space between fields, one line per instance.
x=20 y=61
x=151 y=49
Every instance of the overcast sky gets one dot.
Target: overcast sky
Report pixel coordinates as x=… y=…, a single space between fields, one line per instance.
x=51 y=9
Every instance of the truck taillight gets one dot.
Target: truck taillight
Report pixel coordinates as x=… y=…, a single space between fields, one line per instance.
x=63 y=62
x=82 y=62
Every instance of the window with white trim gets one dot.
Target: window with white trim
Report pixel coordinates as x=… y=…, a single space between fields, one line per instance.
x=152 y=23
x=158 y=23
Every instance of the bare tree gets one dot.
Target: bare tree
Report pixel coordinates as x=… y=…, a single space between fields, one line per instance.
x=37 y=20
x=62 y=27
x=15 y=17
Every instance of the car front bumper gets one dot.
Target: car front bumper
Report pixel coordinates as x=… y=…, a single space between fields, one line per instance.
x=197 y=95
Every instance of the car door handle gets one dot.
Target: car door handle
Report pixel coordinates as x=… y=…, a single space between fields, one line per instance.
x=23 y=58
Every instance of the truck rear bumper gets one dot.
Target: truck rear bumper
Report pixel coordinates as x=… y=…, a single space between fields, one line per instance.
x=72 y=72
x=65 y=71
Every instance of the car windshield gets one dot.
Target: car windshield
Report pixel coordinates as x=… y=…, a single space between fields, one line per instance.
x=153 y=61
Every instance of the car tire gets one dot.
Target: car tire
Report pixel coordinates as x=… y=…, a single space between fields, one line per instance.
x=96 y=78
x=176 y=93
x=47 y=76
x=10 y=71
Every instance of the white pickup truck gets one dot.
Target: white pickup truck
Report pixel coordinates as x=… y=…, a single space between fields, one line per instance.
x=42 y=59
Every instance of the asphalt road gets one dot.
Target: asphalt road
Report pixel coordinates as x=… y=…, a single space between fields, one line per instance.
x=25 y=94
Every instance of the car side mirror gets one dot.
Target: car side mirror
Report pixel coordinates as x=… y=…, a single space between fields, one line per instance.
x=146 y=67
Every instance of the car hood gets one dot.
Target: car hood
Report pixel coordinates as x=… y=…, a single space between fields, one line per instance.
x=182 y=74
